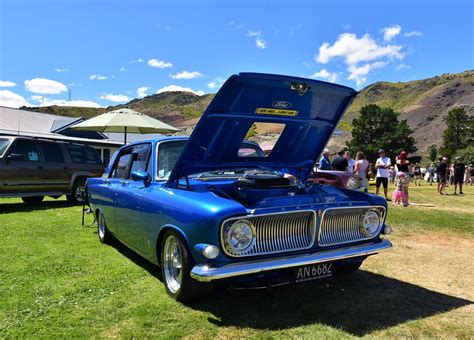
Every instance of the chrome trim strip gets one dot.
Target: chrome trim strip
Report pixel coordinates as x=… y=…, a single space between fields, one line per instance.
x=345 y=224
x=204 y=273
x=267 y=235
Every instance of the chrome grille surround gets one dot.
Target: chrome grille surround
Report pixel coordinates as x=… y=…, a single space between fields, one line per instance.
x=344 y=225
x=275 y=233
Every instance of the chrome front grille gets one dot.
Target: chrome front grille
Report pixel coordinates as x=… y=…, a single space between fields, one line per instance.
x=343 y=225
x=276 y=233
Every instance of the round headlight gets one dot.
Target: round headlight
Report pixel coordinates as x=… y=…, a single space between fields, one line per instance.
x=240 y=235
x=353 y=182
x=370 y=222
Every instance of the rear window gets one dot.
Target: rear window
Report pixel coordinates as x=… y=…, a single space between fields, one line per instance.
x=83 y=155
x=4 y=143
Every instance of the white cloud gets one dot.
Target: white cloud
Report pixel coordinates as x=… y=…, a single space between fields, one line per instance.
x=186 y=75
x=61 y=69
x=361 y=55
x=391 y=32
x=260 y=43
x=355 y=50
x=216 y=83
x=118 y=98
x=413 y=34
x=251 y=33
x=139 y=60
x=122 y=69
x=359 y=73
x=324 y=74
x=142 y=91
x=97 y=77
x=12 y=99
x=6 y=83
x=44 y=86
x=159 y=63
x=239 y=26
x=402 y=66
x=174 y=88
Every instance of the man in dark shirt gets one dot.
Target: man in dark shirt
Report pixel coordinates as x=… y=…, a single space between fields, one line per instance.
x=339 y=163
x=459 y=169
x=442 y=172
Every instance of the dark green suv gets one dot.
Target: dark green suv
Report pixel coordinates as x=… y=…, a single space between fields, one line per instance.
x=32 y=168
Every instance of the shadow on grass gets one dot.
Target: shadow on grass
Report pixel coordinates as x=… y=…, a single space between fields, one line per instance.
x=8 y=208
x=358 y=304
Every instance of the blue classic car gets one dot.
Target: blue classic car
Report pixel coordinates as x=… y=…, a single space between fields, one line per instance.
x=214 y=208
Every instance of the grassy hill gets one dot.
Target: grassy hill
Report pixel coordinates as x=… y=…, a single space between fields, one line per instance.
x=423 y=103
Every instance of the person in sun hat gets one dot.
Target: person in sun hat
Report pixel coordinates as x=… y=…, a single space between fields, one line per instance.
x=382 y=164
x=324 y=162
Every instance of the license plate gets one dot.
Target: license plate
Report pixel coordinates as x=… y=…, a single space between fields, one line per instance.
x=313 y=272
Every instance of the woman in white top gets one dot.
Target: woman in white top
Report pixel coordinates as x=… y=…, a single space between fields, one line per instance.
x=360 y=169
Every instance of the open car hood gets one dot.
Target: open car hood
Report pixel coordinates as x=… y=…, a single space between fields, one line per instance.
x=310 y=110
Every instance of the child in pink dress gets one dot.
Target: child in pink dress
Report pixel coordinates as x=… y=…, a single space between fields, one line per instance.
x=399 y=192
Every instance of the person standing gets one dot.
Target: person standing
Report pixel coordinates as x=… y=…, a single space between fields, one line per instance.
x=442 y=175
x=361 y=169
x=382 y=164
x=403 y=165
x=350 y=161
x=339 y=163
x=469 y=174
x=417 y=173
x=324 y=162
x=459 y=169
x=431 y=173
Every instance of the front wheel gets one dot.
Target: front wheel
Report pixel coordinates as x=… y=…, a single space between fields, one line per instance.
x=103 y=232
x=176 y=264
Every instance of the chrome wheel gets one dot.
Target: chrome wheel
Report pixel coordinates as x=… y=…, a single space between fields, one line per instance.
x=79 y=193
x=101 y=226
x=173 y=264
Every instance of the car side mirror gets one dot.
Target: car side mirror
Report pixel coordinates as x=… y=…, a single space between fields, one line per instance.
x=14 y=156
x=141 y=176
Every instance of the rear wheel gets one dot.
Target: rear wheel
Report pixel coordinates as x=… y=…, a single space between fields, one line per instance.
x=33 y=199
x=77 y=195
x=102 y=231
x=176 y=265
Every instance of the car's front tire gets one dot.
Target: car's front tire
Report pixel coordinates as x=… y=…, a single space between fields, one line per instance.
x=103 y=232
x=176 y=264
x=32 y=199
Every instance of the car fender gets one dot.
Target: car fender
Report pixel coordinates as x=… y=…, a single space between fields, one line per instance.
x=78 y=174
x=159 y=238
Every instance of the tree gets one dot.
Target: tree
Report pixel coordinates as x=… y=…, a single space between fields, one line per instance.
x=432 y=152
x=458 y=133
x=377 y=128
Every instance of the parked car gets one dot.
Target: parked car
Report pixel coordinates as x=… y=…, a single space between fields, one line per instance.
x=339 y=179
x=32 y=168
x=205 y=212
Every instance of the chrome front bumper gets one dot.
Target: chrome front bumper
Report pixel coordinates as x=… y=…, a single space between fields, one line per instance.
x=206 y=274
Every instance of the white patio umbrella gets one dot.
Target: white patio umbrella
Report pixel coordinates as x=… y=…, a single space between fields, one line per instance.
x=124 y=120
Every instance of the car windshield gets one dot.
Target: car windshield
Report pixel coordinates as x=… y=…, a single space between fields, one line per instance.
x=236 y=173
x=168 y=153
x=4 y=143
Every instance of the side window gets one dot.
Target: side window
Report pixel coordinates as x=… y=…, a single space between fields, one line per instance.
x=168 y=154
x=83 y=155
x=140 y=157
x=52 y=152
x=25 y=150
x=106 y=156
x=122 y=165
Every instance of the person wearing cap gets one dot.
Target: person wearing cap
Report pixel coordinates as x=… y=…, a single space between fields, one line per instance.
x=382 y=164
x=324 y=162
x=459 y=169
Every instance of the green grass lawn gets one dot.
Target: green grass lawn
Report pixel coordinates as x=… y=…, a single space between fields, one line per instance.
x=57 y=280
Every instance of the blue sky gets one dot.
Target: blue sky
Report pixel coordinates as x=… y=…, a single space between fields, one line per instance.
x=108 y=52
